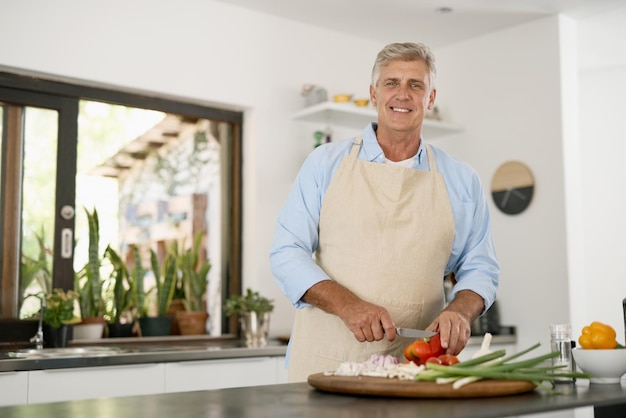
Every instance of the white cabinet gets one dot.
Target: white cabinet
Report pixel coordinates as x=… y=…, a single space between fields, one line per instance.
x=13 y=388
x=186 y=376
x=55 y=385
x=348 y=115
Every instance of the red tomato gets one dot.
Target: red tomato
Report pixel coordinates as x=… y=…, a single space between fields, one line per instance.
x=448 y=359
x=421 y=350
x=435 y=360
x=408 y=353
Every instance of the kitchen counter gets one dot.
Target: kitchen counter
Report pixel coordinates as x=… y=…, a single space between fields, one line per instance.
x=301 y=400
x=125 y=351
x=122 y=351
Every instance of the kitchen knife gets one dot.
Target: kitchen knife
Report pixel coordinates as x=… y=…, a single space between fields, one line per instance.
x=414 y=333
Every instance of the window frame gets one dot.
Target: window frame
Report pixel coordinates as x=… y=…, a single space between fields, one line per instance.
x=64 y=97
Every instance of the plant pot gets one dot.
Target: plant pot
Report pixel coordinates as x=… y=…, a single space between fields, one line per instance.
x=255 y=328
x=90 y=328
x=155 y=326
x=176 y=306
x=118 y=330
x=57 y=337
x=192 y=323
x=88 y=331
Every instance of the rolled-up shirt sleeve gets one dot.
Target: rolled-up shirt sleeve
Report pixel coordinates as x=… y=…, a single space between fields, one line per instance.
x=473 y=258
x=296 y=235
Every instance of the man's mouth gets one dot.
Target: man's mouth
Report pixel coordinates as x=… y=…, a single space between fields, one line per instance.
x=400 y=109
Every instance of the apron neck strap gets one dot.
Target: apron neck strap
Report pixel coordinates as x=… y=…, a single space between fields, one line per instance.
x=356 y=146
x=431 y=159
x=358 y=141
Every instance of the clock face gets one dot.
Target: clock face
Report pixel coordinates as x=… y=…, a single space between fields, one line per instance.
x=512 y=187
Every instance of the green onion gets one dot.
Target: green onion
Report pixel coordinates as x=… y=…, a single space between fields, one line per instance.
x=497 y=366
x=482 y=359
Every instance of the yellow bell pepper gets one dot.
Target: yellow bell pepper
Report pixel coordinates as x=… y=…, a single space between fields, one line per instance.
x=598 y=336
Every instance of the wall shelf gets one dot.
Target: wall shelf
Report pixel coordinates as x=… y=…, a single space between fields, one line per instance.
x=348 y=115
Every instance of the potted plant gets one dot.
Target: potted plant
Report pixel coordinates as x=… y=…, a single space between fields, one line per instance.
x=165 y=277
x=177 y=304
x=88 y=283
x=194 y=270
x=59 y=316
x=155 y=323
x=254 y=315
x=119 y=297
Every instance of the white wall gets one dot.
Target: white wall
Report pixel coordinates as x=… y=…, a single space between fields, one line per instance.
x=504 y=89
x=602 y=64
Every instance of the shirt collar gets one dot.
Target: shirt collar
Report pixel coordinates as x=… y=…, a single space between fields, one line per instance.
x=374 y=152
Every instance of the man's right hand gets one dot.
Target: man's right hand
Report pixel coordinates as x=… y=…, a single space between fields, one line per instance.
x=367 y=321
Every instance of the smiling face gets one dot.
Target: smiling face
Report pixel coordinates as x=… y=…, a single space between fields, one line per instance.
x=401 y=96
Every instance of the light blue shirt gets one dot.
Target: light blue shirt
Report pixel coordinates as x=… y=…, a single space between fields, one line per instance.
x=472 y=260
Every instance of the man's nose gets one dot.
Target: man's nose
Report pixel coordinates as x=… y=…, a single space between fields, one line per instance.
x=404 y=92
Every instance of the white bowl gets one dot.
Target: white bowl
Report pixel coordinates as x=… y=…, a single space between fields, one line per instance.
x=605 y=366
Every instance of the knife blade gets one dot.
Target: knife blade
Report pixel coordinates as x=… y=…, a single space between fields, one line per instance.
x=414 y=333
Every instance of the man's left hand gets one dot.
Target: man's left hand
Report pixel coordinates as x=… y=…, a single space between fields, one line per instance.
x=454 y=322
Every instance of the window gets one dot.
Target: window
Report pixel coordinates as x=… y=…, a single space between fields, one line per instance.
x=61 y=142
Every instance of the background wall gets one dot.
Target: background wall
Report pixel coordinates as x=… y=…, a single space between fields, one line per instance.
x=602 y=65
x=506 y=89
x=507 y=98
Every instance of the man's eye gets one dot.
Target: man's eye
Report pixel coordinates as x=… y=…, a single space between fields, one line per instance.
x=416 y=85
x=390 y=83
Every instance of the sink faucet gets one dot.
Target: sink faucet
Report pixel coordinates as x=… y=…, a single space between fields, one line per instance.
x=38 y=337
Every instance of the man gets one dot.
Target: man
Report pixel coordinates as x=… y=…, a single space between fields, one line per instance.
x=386 y=216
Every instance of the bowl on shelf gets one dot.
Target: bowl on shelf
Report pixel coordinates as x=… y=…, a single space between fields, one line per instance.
x=604 y=366
x=342 y=98
x=361 y=102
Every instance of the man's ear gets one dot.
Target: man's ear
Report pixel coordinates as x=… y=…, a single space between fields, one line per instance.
x=431 y=98
x=373 y=95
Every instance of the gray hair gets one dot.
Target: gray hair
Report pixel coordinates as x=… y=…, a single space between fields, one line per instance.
x=407 y=51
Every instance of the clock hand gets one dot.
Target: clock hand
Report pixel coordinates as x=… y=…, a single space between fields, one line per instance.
x=505 y=199
x=518 y=194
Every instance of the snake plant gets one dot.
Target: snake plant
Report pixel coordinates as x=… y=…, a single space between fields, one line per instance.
x=165 y=282
x=87 y=280
x=137 y=274
x=194 y=275
x=165 y=278
x=121 y=293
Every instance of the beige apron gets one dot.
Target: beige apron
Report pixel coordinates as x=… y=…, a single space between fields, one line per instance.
x=386 y=234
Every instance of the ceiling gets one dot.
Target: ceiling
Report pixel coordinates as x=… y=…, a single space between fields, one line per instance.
x=423 y=20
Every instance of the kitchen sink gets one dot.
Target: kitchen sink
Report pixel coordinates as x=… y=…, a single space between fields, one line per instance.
x=132 y=347
x=92 y=351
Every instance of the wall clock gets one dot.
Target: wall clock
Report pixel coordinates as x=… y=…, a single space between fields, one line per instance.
x=512 y=187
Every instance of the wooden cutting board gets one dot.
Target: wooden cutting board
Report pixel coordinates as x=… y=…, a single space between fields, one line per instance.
x=382 y=386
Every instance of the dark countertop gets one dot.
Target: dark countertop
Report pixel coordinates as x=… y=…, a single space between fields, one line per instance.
x=124 y=351
x=301 y=400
